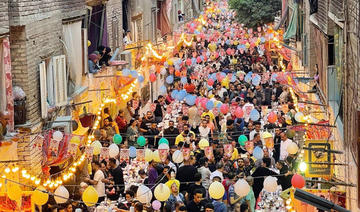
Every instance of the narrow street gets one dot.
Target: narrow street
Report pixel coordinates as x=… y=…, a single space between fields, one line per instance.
x=179 y=105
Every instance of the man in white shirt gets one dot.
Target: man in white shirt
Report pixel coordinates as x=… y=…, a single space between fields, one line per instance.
x=218 y=172
x=204 y=130
x=285 y=142
x=256 y=130
x=98 y=183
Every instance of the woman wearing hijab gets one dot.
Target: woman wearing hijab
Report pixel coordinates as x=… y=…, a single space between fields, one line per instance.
x=93 y=59
x=105 y=57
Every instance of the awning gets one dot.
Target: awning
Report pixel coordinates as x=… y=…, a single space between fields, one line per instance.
x=291 y=30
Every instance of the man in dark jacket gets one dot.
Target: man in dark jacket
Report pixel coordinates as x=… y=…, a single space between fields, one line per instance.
x=260 y=174
x=159 y=108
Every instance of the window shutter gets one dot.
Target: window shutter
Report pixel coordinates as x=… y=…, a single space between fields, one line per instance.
x=305 y=52
x=60 y=80
x=50 y=83
x=43 y=90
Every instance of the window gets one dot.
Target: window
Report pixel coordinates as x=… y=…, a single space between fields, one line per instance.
x=53 y=83
x=305 y=50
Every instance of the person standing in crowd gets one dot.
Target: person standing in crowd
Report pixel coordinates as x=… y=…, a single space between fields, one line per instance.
x=197 y=204
x=117 y=176
x=121 y=121
x=259 y=175
x=171 y=132
x=285 y=142
x=159 y=109
x=98 y=180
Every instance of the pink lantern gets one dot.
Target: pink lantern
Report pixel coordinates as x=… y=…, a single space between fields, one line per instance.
x=152 y=77
x=224 y=108
x=239 y=112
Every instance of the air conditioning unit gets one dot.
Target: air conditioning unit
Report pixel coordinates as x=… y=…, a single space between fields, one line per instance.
x=126 y=56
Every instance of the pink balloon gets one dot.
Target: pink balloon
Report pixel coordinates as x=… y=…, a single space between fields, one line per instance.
x=239 y=112
x=210 y=82
x=188 y=62
x=224 y=108
x=197 y=100
x=152 y=77
x=198 y=59
x=272 y=117
x=156 y=204
x=203 y=102
x=228 y=51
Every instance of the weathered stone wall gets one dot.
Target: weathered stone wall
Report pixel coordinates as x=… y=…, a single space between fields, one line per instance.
x=4 y=18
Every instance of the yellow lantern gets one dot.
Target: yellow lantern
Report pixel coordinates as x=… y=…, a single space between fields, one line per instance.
x=90 y=196
x=89 y=43
x=162 y=192
x=216 y=190
x=148 y=155
x=14 y=191
x=97 y=147
x=40 y=197
x=203 y=143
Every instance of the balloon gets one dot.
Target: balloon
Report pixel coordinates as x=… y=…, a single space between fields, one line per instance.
x=134 y=74
x=90 y=196
x=241 y=188
x=163 y=89
x=190 y=99
x=298 y=181
x=164 y=146
x=163 y=71
x=258 y=153
x=203 y=143
x=152 y=77
x=174 y=93
x=141 y=141
x=14 y=191
x=266 y=135
x=239 y=112
x=144 y=194
x=216 y=190
x=148 y=155
x=40 y=197
x=224 y=108
x=156 y=205
x=162 y=192
x=89 y=43
x=188 y=62
x=163 y=141
x=75 y=140
x=292 y=148
x=210 y=82
x=61 y=195
x=254 y=115
x=97 y=147
x=113 y=150
x=256 y=80
x=183 y=80
x=169 y=79
x=117 y=139
x=242 y=139
x=272 y=117
x=57 y=136
x=156 y=156
x=290 y=133
x=270 y=184
x=210 y=105
x=299 y=117
x=181 y=95
x=132 y=152
x=141 y=78
x=178 y=156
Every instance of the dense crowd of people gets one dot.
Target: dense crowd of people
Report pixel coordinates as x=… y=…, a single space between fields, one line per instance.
x=220 y=77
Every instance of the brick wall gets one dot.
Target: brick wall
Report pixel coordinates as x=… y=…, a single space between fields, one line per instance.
x=4 y=18
x=25 y=11
x=114 y=24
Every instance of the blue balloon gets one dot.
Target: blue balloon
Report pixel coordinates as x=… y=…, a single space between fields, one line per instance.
x=177 y=67
x=223 y=74
x=262 y=39
x=273 y=77
x=208 y=54
x=141 y=78
x=247 y=78
x=227 y=42
x=190 y=99
x=193 y=61
x=163 y=89
x=166 y=64
x=134 y=73
x=213 y=76
x=256 y=80
x=242 y=46
x=183 y=80
x=258 y=153
x=210 y=105
x=218 y=105
x=132 y=152
x=196 y=32
x=169 y=79
x=238 y=47
x=233 y=78
x=181 y=95
x=254 y=115
x=125 y=72
x=202 y=58
x=174 y=93
x=192 y=25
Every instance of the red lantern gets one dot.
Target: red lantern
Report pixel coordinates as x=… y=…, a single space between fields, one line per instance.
x=272 y=117
x=239 y=112
x=298 y=181
x=152 y=77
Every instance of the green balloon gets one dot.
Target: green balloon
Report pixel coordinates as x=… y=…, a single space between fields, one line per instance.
x=242 y=139
x=290 y=133
x=163 y=141
x=117 y=139
x=141 y=141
